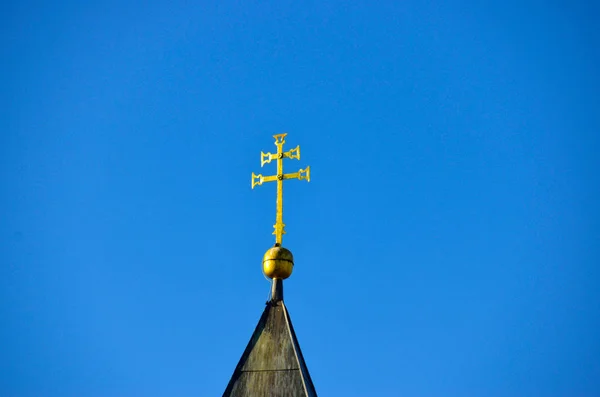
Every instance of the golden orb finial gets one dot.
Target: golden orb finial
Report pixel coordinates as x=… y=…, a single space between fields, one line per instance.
x=278 y=262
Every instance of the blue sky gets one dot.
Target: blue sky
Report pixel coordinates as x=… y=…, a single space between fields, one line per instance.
x=447 y=244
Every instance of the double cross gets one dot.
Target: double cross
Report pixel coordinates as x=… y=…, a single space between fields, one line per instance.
x=266 y=158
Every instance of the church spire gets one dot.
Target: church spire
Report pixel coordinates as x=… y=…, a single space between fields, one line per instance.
x=272 y=364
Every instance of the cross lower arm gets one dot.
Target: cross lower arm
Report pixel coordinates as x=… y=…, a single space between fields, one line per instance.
x=300 y=175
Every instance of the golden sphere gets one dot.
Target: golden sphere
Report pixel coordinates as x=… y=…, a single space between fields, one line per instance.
x=278 y=262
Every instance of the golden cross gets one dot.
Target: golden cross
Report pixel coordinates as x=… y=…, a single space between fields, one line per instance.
x=259 y=179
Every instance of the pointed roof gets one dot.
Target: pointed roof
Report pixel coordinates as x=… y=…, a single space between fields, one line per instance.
x=272 y=364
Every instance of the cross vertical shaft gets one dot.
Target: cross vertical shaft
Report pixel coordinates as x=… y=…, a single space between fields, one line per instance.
x=265 y=158
x=279 y=225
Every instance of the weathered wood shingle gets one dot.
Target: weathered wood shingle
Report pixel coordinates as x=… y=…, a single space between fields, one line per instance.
x=272 y=364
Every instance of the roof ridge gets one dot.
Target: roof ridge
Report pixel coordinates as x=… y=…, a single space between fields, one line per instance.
x=305 y=376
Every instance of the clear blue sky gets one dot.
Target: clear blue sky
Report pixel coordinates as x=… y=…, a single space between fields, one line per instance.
x=447 y=244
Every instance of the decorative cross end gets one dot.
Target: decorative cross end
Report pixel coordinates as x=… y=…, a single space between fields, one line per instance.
x=279 y=139
x=304 y=174
x=257 y=180
x=266 y=158
x=293 y=153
